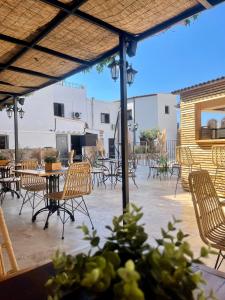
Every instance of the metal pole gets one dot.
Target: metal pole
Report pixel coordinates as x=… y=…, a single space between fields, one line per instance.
x=124 y=133
x=134 y=102
x=15 y=110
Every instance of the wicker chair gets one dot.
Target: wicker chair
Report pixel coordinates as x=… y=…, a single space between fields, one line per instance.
x=32 y=185
x=70 y=157
x=78 y=183
x=209 y=213
x=185 y=159
x=218 y=160
x=7 y=246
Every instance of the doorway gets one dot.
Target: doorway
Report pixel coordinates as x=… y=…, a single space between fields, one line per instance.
x=76 y=144
x=4 y=142
x=62 y=146
x=111 y=148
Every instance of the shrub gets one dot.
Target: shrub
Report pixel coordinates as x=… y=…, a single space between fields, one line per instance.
x=127 y=267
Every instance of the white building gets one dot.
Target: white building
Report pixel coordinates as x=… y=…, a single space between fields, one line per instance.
x=154 y=111
x=62 y=116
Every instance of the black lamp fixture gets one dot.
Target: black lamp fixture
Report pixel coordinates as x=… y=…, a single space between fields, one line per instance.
x=21 y=113
x=9 y=112
x=115 y=71
x=132 y=126
x=130 y=74
x=10 y=109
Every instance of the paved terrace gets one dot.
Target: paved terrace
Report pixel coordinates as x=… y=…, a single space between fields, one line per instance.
x=34 y=246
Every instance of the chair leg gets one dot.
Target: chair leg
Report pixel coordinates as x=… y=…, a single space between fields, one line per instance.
x=64 y=217
x=24 y=201
x=218 y=260
x=178 y=178
x=149 y=172
x=133 y=178
x=87 y=212
x=32 y=205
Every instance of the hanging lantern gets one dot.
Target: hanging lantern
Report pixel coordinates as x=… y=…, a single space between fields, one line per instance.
x=130 y=74
x=115 y=69
x=9 y=112
x=21 y=113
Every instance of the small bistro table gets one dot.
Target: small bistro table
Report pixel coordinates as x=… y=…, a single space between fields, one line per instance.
x=31 y=284
x=52 y=185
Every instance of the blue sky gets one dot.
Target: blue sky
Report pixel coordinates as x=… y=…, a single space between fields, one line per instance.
x=179 y=57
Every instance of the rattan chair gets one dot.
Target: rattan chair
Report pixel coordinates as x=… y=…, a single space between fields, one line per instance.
x=185 y=159
x=33 y=185
x=208 y=211
x=78 y=183
x=6 y=246
x=70 y=157
x=218 y=160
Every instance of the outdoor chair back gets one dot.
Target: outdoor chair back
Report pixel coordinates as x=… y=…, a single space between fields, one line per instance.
x=208 y=210
x=185 y=156
x=29 y=164
x=6 y=246
x=218 y=156
x=31 y=182
x=70 y=157
x=78 y=180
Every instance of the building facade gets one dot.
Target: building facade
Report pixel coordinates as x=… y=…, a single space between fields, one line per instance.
x=61 y=116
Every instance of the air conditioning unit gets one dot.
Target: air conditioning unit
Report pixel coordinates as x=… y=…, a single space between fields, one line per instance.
x=76 y=115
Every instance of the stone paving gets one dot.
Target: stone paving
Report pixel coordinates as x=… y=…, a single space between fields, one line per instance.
x=34 y=246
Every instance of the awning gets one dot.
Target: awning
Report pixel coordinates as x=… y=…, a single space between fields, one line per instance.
x=44 y=41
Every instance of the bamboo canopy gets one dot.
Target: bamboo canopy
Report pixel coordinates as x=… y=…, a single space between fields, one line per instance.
x=45 y=41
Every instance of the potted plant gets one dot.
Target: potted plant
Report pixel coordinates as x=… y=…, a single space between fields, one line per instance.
x=3 y=160
x=51 y=164
x=127 y=267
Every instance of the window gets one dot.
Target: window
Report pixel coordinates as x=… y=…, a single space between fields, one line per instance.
x=129 y=115
x=59 y=109
x=167 y=109
x=105 y=118
x=4 y=142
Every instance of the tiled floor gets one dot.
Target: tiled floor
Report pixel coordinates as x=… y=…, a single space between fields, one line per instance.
x=34 y=246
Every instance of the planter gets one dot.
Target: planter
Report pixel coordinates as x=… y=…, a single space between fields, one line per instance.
x=4 y=162
x=53 y=166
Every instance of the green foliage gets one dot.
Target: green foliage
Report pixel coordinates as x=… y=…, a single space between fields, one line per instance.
x=50 y=159
x=127 y=267
x=149 y=134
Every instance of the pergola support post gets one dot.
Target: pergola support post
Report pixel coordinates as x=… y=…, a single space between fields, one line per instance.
x=124 y=132
x=15 y=111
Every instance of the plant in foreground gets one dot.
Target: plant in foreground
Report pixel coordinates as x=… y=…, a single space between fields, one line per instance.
x=127 y=267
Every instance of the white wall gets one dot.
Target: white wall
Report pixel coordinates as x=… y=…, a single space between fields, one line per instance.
x=39 y=125
x=145 y=113
x=167 y=121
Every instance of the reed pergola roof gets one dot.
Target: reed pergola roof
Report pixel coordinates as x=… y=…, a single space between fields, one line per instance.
x=45 y=41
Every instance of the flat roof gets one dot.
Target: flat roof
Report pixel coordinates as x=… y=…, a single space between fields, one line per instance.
x=45 y=41
x=192 y=87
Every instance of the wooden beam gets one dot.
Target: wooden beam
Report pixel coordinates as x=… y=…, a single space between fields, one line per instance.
x=88 y=18
x=29 y=72
x=205 y=3
x=42 y=49
x=58 y=19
